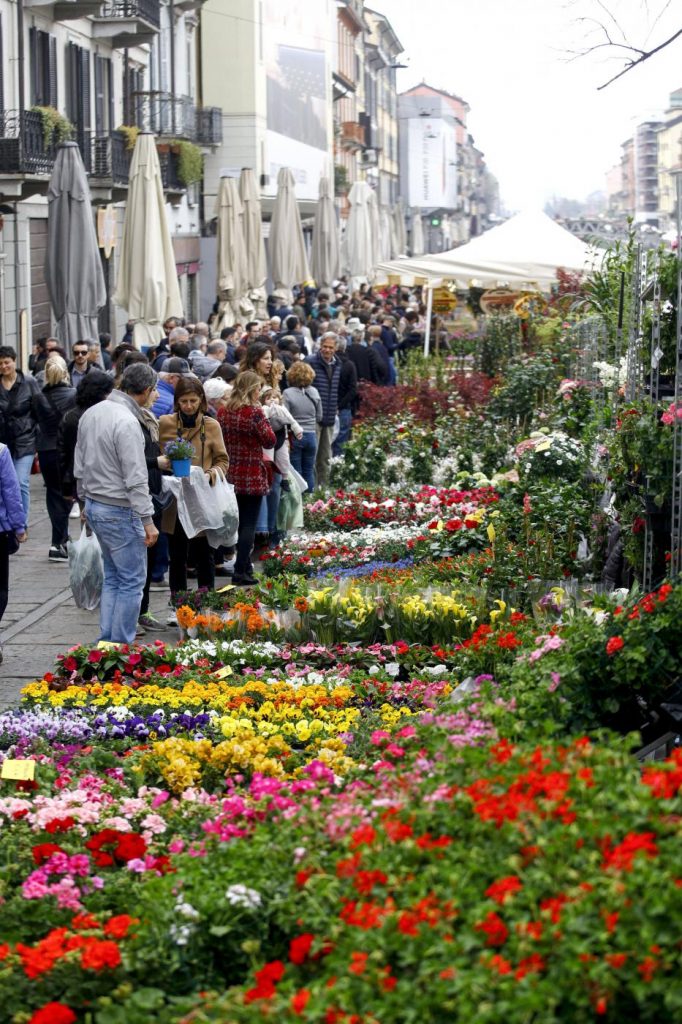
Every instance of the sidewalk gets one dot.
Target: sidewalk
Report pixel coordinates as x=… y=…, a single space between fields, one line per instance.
x=41 y=619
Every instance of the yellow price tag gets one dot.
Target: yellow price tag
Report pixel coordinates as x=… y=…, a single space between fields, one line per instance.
x=106 y=645
x=223 y=673
x=224 y=590
x=544 y=446
x=24 y=770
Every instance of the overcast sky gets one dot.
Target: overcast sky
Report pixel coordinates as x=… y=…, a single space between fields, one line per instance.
x=537 y=116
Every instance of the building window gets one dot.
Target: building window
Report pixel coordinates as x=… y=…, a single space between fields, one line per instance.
x=43 y=57
x=104 y=95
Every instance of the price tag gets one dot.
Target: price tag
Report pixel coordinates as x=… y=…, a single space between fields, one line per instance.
x=23 y=771
x=106 y=645
x=223 y=673
x=224 y=590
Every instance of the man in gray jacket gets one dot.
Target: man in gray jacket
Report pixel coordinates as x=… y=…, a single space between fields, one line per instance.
x=111 y=470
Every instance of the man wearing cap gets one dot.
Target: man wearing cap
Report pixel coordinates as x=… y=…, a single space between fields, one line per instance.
x=172 y=369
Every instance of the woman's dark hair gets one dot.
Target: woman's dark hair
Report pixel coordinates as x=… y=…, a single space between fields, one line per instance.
x=119 y=350
x=226 y=371
x=189 y=386
x=254 y=354
x=94 y=388
x=128 y=358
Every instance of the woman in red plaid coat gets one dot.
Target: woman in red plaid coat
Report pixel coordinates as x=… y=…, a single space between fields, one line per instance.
x=246 y=432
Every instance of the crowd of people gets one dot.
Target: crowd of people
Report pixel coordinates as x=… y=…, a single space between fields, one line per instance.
x=255 y=401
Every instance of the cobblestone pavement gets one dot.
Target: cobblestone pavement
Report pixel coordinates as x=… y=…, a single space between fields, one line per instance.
x=41 y=618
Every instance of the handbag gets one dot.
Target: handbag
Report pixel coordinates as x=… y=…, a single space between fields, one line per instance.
x=12 y=542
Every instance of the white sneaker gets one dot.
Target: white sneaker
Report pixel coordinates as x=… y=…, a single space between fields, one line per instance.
x=172 y=619
x=75 y=512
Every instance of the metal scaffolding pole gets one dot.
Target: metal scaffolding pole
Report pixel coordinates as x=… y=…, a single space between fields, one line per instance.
x=676 y=532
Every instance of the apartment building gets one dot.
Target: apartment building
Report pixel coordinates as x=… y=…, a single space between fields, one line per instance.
x=95 y=72
x=669 y=162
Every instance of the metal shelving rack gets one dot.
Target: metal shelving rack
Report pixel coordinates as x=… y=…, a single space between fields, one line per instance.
x=676 y=531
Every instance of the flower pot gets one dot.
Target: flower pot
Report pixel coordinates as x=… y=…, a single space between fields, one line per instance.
x=181 y=467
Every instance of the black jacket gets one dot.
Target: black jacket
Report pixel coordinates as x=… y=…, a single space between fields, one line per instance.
x=382 y=364
x=67 y=435
x=348 y=384
x=49 y=407
x=17 y=420
x=365 y=361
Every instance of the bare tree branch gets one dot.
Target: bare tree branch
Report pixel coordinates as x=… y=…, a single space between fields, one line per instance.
x=640 y=60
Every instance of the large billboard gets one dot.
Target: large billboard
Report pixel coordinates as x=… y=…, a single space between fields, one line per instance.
x=296 y=46
x=432 y=163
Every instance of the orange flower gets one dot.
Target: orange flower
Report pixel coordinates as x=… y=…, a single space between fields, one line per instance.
x=186 y=617
x=301 y=605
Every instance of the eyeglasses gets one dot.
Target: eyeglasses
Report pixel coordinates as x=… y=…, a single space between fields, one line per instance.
x=80 y=352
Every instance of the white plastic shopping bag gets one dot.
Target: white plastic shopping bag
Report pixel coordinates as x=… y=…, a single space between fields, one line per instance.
x=197 y=507
x=86 y=570
x=226 y=502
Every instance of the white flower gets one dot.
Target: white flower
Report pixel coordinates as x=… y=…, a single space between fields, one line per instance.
x=187 y=910
x=241 y=896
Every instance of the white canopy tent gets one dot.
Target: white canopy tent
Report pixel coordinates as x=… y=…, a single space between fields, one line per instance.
x=525 y=251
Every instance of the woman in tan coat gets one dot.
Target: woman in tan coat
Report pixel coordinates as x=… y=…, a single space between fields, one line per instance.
x=189 y=421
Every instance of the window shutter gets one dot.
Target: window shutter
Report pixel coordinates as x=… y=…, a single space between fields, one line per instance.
x=109 y=65
x=52 y=97
x=33 y=58
x=84 y=98
x=99 y=95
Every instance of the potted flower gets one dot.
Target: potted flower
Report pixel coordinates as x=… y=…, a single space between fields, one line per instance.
x=180 y=454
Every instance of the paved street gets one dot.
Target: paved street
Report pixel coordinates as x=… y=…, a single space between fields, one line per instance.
x=41 y=619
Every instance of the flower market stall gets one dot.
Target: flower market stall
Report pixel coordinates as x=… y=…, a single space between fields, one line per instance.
x=404 y=778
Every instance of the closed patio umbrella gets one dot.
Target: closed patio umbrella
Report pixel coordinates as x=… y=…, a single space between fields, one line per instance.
x=417 y=245
x=360 y=240
x=288 y=258
x=232 y=269
x=252 y=227
x=399 y=232
x=385 y=247
x=147 y=285
x=73 y=271
x=325 y=262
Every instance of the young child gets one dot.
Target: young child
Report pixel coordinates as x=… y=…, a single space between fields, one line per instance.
x=281 y=420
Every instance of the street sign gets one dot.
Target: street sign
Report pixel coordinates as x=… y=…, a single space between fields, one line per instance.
x=444 y=301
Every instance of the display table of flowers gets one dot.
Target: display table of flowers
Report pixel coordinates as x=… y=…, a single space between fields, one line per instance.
x=397 y=781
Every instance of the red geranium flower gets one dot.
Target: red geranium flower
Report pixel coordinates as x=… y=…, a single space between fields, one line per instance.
x=615 y=644
x=100 y=954
x=299 y=948
x=43 y=852
x=53 y=1013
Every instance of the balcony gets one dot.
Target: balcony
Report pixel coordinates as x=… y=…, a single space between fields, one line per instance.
x=166 y=115
x=67 y=10
x=176 y=117
x=352 y=135
x=23 y=153
x=126 y=23
x=170 y=167
x=209 y=126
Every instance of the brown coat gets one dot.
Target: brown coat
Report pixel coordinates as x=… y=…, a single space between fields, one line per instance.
x=213 y=449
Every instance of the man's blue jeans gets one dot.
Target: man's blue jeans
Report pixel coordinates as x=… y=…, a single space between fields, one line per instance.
x=345 y=426
x=302 y=455
x=23 y=466
x=121 y=537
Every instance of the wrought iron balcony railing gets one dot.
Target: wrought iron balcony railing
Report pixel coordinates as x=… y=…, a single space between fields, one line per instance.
x=169 y=116
x=209 y=126
x=111 y=158
x=132 y=10
x=170 y=167
x=22 y=144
